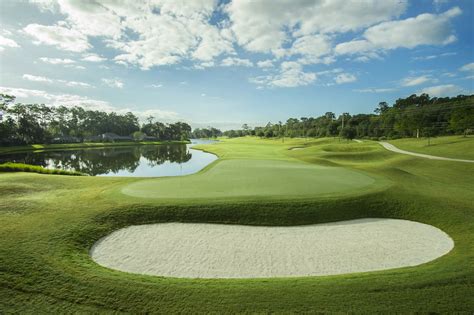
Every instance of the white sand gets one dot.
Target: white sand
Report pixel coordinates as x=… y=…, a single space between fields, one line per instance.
x=393 y=148
x=238 y=251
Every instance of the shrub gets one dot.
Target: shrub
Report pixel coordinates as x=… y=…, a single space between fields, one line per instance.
x=19 y=167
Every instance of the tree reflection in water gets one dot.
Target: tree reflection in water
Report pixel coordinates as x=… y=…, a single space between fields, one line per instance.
x=104 y=160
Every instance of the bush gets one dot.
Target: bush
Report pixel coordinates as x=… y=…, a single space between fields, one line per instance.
x=19 y=167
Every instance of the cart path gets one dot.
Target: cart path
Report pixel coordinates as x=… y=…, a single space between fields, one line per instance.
x=393 y=148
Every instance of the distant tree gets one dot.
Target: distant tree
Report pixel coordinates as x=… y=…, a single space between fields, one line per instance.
x=348 y=133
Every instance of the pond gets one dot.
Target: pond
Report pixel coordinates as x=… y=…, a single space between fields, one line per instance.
x=133 y=161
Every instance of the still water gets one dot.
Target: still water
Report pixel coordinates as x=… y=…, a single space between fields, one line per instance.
x=134 y=161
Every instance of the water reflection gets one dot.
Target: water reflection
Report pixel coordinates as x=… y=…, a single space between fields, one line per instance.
x=147 y=160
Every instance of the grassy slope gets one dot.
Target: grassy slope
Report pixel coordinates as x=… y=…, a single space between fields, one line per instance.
x=457 y=147
x=48 y=224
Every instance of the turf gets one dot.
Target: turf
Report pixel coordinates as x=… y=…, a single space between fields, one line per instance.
x=257 y=178
x=50 y=222
x=457 y=147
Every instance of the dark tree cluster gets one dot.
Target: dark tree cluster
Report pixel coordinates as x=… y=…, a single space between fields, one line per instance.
x=206 y=133
x=39 y=123
x=414 y=116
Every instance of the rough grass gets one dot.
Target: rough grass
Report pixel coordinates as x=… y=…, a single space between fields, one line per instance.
x=457 y=147
x=20 y=167
x=46 y=235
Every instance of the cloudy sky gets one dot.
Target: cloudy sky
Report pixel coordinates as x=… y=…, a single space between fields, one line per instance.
x=232 y=62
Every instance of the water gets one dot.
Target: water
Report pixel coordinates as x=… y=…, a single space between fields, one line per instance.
x=132 y=161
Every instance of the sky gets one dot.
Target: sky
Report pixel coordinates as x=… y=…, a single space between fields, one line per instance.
x=225 y=63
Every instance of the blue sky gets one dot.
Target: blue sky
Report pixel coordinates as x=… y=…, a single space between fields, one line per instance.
x=227 y=63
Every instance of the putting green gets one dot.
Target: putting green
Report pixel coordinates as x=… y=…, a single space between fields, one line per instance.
x=246 y=177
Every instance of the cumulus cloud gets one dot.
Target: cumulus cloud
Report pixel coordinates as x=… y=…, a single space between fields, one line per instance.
x=345 y=78
x=442 y=90
x=230 y=61
x=291 y=74
x=93 y=58
x=431 y=29
x=264 y=26
x=265 y=64
x=59 y=35
x=114 y=83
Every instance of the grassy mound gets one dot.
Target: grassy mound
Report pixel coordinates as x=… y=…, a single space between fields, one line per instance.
x=47 y=233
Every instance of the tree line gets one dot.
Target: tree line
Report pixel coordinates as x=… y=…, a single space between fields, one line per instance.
x=414 y=116
x=39 y=123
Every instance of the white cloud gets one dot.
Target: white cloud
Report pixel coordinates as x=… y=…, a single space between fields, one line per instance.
x=425 y=29
x=155 y=86
x=345 y=78
x=265 y=25
x=265 y=64
x=291 y=75
x=7 y=42
x=93 y=58
x=35 y=78
x=375 y=90
x=114 y=83
x=230 y=61
x=204 y=65
x=467 y=67
x=430 y=57
x=57 y=61
x=413 y=81
x=59 y=35
x=75 y=84
x=442 y=90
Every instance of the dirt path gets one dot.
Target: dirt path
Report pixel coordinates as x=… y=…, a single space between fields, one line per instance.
x=393 y=148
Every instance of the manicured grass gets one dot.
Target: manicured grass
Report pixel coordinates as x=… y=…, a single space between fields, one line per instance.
x=457 y=147
x=50 y=222
x=20 y=167
x=256 y=178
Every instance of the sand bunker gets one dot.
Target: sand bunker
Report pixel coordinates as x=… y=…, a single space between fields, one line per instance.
x=239 y=251
x=296 y=148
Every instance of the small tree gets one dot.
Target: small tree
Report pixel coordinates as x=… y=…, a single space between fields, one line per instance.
x=348 y=133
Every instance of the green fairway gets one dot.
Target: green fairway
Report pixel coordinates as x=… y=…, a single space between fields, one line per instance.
x=457 y=147
x=50 y=222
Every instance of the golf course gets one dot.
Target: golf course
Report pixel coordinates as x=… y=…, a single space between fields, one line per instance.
x=334 y=226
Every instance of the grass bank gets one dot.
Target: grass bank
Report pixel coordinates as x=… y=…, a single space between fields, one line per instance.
x=49 y=224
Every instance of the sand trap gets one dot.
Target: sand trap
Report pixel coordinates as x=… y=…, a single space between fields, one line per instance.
x=296 y=148
x=239 y=251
